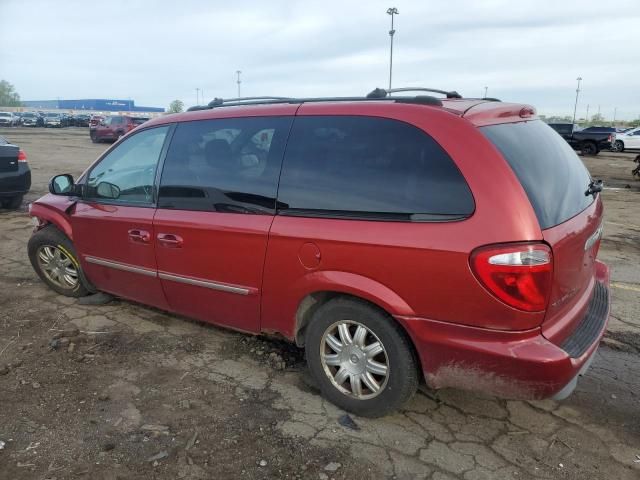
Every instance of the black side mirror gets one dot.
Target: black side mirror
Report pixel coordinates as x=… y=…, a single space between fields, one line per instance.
x=62 y=185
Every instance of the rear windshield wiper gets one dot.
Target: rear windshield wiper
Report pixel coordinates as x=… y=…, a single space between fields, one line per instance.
x=594 y=187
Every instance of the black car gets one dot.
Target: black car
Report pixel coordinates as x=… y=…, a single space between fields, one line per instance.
x=82 y=120
x=32 y=119
x=587 y=141
x=15 y=175
x=600 y=129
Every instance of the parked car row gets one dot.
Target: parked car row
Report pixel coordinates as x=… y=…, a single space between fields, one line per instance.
x=43 y=119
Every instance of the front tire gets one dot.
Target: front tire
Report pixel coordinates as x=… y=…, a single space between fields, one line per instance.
x=618 y=146
x=362 y=360
x=55 y=260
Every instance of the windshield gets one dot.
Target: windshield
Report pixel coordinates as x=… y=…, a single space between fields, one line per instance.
x=2 y=114
x=52 y=115
x=552 y=175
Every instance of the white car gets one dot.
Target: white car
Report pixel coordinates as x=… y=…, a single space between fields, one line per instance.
x=629 y=140
x=8 y=119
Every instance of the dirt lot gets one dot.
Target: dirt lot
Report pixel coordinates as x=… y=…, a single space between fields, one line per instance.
x=123 y=391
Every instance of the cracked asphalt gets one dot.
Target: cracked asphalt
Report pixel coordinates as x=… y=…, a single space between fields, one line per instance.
x=123 y=391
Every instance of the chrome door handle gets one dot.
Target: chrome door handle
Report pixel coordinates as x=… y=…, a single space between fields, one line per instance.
x=139 y=236
x=170 y=240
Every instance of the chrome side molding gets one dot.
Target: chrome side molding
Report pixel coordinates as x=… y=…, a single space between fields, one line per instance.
x=204 y=283
x=121 y=266
x=168 y=276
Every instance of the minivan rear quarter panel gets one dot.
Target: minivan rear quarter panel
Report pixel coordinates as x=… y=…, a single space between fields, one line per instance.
x=418 y=269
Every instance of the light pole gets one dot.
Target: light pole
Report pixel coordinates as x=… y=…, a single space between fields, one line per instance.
x=485 y=91
x=615 y=111
x=197 y=96
x=576 y=105
x=238 y=81
x=391 y=11
x=587 y=113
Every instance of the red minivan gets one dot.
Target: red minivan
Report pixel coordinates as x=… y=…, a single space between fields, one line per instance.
x=114 y=127
x=393 y=237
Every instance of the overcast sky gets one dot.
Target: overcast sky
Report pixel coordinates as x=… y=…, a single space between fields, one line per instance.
x=157 y=51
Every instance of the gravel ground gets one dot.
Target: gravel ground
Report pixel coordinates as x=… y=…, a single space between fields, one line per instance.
x=123 y=391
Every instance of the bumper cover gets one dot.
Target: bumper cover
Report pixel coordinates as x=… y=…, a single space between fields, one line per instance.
x=16 y=182
x=510 y=364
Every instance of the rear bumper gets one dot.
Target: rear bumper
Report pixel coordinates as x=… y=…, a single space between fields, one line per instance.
x=17 y=182
x=521 y=364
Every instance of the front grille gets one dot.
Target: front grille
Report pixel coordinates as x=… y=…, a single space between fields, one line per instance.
x=591 y=325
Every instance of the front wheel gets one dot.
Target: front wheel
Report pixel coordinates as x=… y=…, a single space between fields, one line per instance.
x=361 y=359
x=618 y=146
x=55 y=261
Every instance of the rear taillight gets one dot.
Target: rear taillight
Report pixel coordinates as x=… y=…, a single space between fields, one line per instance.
x=22 y=157
x=520 y=275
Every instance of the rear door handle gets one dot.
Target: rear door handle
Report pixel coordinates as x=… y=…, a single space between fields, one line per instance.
x=170 y=240
x=139 y=236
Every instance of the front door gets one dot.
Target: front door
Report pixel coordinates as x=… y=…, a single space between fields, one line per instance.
x=633 y=139
x=215 y=209
x=113 y=223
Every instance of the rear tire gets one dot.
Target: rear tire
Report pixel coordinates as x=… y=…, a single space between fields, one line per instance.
x=94 y=137
x=12 y=203
x=55 y=260
x=381 y=370
x=589 y=148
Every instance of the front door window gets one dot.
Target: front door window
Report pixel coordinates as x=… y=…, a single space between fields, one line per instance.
x=127 y=174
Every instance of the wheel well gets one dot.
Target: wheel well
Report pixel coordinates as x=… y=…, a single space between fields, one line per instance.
x=310 y=304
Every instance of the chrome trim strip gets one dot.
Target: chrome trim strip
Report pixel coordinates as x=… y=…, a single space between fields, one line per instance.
x=121 y=266
x=204 y=283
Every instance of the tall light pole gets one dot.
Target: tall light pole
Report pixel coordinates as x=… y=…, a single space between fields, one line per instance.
x=576 y=105
x=238 y=81
x=485 y=91
x=587 y=112
x=615 y=111
x=391 y=11
x=197 y=96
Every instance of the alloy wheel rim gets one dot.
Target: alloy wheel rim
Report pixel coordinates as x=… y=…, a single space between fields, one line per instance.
x=354 y=359
x=57 y=266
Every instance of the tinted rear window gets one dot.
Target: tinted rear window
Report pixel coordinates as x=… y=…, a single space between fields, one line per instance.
x=372 y=168
x=551 y=173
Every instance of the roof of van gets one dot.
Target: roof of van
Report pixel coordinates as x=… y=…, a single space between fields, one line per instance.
x=480 y=112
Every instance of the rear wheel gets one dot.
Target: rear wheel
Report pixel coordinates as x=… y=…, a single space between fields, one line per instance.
x=362 y=360
x=12 y=203
x=589 y=148
x=94 y=137
x=55 y=261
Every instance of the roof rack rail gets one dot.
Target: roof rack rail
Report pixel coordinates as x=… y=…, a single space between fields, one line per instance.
x=217 y=102
x=377 y=94
x=227 y=102
x=383 y=93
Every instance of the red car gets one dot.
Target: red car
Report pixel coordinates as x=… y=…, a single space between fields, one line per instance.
x=393 y=237
x=114 y=127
